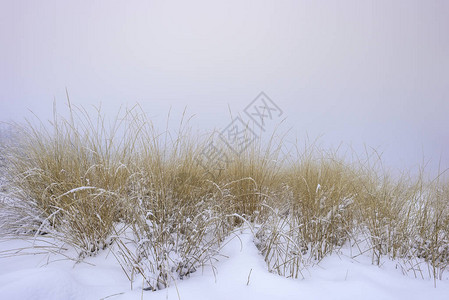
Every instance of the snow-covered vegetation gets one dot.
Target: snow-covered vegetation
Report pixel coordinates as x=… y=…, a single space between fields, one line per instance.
x=89 y=187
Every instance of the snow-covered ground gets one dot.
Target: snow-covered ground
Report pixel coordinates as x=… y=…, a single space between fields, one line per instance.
x=241 y=273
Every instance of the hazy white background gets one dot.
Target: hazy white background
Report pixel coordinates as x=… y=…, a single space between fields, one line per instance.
x=374 y=72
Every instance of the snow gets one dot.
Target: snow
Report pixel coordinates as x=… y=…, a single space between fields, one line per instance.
x=78 y=189
x=240 y=273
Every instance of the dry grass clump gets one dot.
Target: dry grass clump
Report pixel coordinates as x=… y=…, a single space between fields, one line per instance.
x=92 y=183
x=179 y=215
x=405 y=218
x=385 y=215
x=328 y=203
x=322 y=191
x=315 y=216
x=172 y=238
x=183 y=208
x=431 y=228
x=72 y=175
x=81 y=179
x=254 y=177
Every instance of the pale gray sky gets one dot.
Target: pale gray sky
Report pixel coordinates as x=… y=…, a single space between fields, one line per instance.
x=374 y=72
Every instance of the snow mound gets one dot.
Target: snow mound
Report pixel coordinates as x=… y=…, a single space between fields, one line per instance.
x=241 y=273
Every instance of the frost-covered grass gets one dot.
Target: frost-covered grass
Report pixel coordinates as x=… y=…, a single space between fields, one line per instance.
x=144 y=196
x=330 y=204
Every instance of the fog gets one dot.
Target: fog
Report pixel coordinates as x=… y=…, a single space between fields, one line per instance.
x=372 y=73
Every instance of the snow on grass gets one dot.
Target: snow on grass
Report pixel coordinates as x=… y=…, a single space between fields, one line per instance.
x=241 y=273
x=71 y=184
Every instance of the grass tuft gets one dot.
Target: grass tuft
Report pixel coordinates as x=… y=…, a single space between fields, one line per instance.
x=94 y=183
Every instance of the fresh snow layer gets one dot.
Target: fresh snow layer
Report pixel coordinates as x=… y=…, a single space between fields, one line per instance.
x=240 y=273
